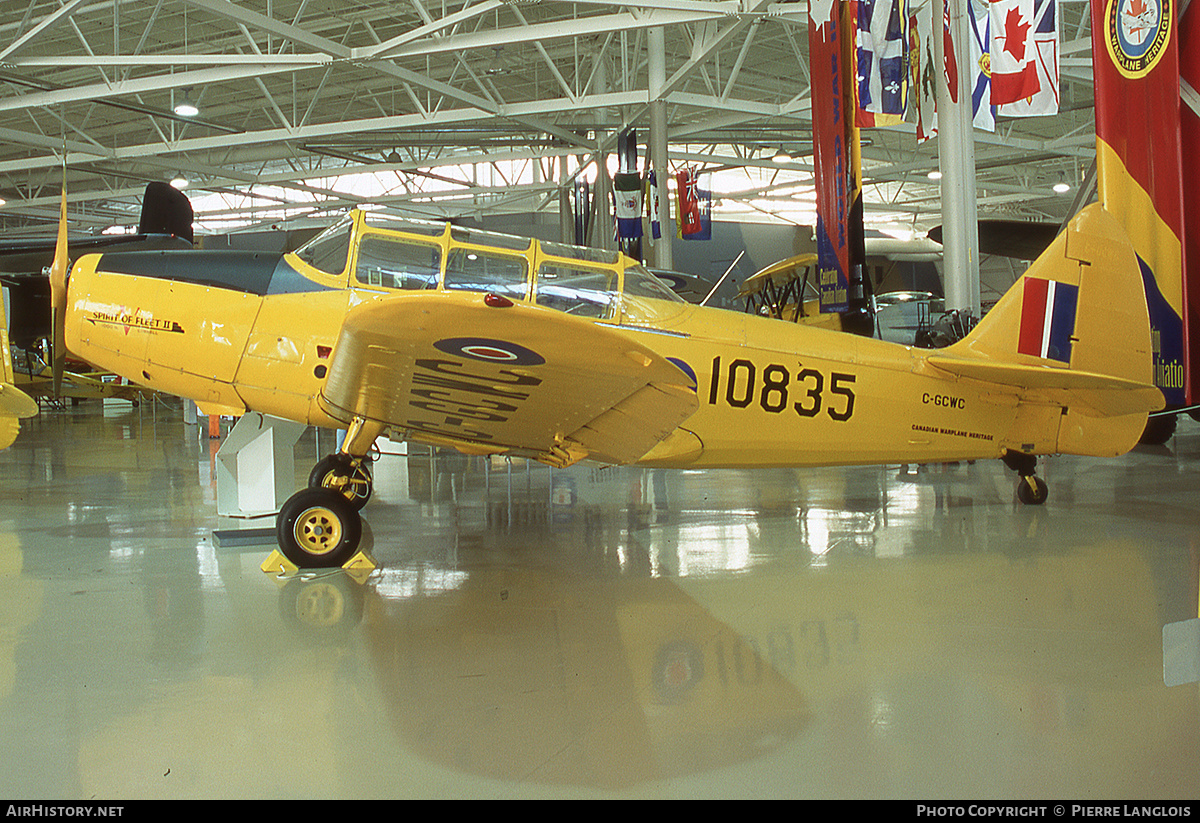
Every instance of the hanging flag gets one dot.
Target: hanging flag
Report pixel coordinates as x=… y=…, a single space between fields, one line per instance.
x=1044 y=102
x=950 y=64
x=981 y=59
x=1014 y=69
x=652 y=206
x=695 y=207
x=627 y=191
x=881 y=55
x=921 y=71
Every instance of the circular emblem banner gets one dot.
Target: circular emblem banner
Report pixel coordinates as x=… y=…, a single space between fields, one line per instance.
x=1137 y=34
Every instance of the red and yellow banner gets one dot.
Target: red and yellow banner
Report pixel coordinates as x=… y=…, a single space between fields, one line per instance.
x=1135 y=50
x=1189 y=135
x=835 y=152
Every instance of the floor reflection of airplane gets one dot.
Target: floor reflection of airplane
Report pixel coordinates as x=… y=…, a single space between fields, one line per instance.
x=497 y=344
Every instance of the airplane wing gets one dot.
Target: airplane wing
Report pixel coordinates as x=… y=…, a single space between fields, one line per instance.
x=447 y=368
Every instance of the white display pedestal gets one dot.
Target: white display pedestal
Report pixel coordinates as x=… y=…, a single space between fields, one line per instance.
x=256 y=466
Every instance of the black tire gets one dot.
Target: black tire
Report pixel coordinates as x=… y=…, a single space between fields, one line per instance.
x=318 y=528
x=338 y=472
x=1032 y=490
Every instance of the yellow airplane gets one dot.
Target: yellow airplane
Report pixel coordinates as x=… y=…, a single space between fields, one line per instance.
x=494 y=344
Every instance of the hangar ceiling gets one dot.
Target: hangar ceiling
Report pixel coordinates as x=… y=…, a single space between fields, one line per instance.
x=452 y=107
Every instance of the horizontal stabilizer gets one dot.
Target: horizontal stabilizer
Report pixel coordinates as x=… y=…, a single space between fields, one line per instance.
x=1103 y=394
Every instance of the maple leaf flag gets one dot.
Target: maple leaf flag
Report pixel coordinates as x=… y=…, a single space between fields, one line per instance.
x=1045 y=41
x=1013 y=52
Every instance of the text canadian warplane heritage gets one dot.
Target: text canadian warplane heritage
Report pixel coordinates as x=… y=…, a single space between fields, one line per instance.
x=494 y=344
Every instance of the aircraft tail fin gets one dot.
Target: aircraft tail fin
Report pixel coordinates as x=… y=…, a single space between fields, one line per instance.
x=166 y=210
x=1073 y=332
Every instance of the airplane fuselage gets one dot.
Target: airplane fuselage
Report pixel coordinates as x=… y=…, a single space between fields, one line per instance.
x=499 y=345
x=768 y=393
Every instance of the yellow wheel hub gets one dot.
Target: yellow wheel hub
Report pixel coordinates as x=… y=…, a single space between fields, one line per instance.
x=349 y=486
x=317 y=530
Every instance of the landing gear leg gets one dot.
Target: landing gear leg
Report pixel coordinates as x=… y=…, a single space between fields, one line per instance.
x=346 y=471
x=1031 y=489
x=320 y=526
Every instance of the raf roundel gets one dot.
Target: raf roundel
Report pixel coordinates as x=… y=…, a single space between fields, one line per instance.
x=487 y=350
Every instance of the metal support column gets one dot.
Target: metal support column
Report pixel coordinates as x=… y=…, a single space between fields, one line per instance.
x=657 y=47
x=956 y=148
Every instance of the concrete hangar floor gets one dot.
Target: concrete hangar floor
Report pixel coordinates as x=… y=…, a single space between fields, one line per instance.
x=595 y=632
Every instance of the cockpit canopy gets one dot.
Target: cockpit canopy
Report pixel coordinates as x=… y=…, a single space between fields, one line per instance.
x=377 y=251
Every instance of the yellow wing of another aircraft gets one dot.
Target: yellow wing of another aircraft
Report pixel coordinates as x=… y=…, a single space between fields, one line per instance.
x=14 y=403
x=446 y=366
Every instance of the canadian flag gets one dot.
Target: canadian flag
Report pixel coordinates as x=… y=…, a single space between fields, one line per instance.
x=1013 y=54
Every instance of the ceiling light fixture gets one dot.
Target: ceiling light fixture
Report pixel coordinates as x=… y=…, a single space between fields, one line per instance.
x=781 y=156
x=185 y=107
x=1061 y=186
x=934 y=175
x=180 y=181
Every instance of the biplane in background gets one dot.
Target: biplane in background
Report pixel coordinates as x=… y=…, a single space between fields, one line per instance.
x=493 y=344
x=787 y=290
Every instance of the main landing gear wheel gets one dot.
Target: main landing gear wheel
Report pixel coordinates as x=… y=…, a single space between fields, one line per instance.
x=318 y=528
x=345 y=475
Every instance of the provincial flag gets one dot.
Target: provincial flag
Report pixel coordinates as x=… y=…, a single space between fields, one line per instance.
x=981 y=62
x=652 y=206
x=695 y=207
x=1047 y=319
x=922 y=71
x=950 y=62
x=881 y=57
x=627 y=191
x=1044 y=101
x=1014 y=68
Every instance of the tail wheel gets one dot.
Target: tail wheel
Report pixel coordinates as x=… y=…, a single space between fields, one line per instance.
x=345 y=475
x=318 y=528
x=1032 y=490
